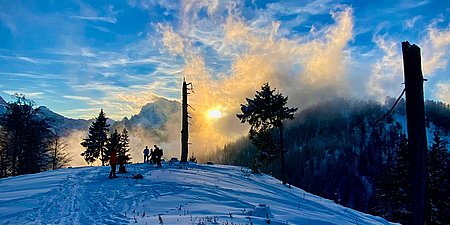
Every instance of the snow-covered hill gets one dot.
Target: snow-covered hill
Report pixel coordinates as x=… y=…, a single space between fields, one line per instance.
x=196 y=194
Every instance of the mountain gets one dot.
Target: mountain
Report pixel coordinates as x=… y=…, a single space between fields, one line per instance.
x=63 y=125
x=154 y=115
x=151 y=118
x=194 y=194
x=2 y=105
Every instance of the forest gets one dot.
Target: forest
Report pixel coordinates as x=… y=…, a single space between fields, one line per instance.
x=338 y=150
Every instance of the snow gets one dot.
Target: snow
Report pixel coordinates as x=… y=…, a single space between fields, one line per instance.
x=193 y=194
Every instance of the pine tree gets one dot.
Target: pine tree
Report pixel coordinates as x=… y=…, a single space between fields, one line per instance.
x=124 y=152
x=392 y=192
x=265 y=113
x=95 y=144
x=438 y=182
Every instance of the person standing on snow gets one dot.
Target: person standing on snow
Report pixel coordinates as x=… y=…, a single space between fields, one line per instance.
x=152 y=156
x=146 y=152
x=158 y=155
x=113 y=163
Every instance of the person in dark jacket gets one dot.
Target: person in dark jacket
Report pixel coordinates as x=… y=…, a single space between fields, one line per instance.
x=158 y=153
x=146 y=152
x=113 y=163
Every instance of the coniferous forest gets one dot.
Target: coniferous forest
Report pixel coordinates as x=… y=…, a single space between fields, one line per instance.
x=340 y=151
x=28 y=142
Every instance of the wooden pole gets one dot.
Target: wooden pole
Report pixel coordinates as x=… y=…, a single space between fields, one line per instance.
x=417 y=139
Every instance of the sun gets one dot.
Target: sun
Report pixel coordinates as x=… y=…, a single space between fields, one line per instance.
x=214 y=114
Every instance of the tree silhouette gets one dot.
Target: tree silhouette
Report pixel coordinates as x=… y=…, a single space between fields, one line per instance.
x=438 y=181
x=264 y=113
x=96 y=141
x=24 y=139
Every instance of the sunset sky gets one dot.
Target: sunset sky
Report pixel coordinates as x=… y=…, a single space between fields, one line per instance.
x=76 y=57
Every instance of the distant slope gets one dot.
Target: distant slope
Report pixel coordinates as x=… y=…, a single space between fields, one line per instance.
x=198 y=194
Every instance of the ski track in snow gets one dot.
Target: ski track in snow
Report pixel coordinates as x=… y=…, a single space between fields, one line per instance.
x=194 y=194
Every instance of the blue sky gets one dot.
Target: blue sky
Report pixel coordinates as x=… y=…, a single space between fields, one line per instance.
x=79 y=56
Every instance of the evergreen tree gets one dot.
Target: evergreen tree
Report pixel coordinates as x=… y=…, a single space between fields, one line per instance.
x=96 y=141
x=24 y=139
x=124 y=152
x=265 y=113
x=392 y=192
x=438 y=182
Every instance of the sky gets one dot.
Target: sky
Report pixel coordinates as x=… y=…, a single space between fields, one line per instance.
x=76 y=57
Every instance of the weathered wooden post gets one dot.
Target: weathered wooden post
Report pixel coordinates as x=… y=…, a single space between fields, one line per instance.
x=184 y=123
x=417 y=139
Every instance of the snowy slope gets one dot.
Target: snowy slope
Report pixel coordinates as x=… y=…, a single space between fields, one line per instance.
x=198 y=194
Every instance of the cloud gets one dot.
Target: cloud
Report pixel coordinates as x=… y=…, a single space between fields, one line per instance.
x=91 y=14
x=29 y=95
x=408 y=24
x=97 y=18
x=387 y=72
x=436 y=49
x=171 y=40
x=79 y=98
x=443 y=91
x=252 y=53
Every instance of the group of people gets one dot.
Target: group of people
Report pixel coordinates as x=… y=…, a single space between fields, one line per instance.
x=153 y=156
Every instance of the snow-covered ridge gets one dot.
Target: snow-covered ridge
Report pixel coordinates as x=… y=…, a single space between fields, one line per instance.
x=196 y=194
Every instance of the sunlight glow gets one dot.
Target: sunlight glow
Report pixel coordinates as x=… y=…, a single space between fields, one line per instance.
x=214 y=114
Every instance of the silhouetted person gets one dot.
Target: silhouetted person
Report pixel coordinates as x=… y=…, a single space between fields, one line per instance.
x=152 y=156
x=146 y=152
x=113 y=163
x=158 y=153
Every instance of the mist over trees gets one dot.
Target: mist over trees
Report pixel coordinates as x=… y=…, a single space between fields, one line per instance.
x=335 y=150
x=28 y=144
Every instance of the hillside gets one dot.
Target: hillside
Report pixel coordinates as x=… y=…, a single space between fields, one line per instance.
x=198 y=194
x=337 y=151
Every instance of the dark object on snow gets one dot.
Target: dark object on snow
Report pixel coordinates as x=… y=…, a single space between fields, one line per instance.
x=209 y=163
x=137 y=177
x=173 y=160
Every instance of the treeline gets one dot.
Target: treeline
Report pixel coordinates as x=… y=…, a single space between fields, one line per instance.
x=99 y=146
x=28 y=142
x=336 y=150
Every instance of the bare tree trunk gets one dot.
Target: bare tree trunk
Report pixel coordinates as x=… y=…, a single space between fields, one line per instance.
x=417 y=139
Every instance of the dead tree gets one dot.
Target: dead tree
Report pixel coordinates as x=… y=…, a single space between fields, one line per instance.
x=185 y=121
x=417 y=139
